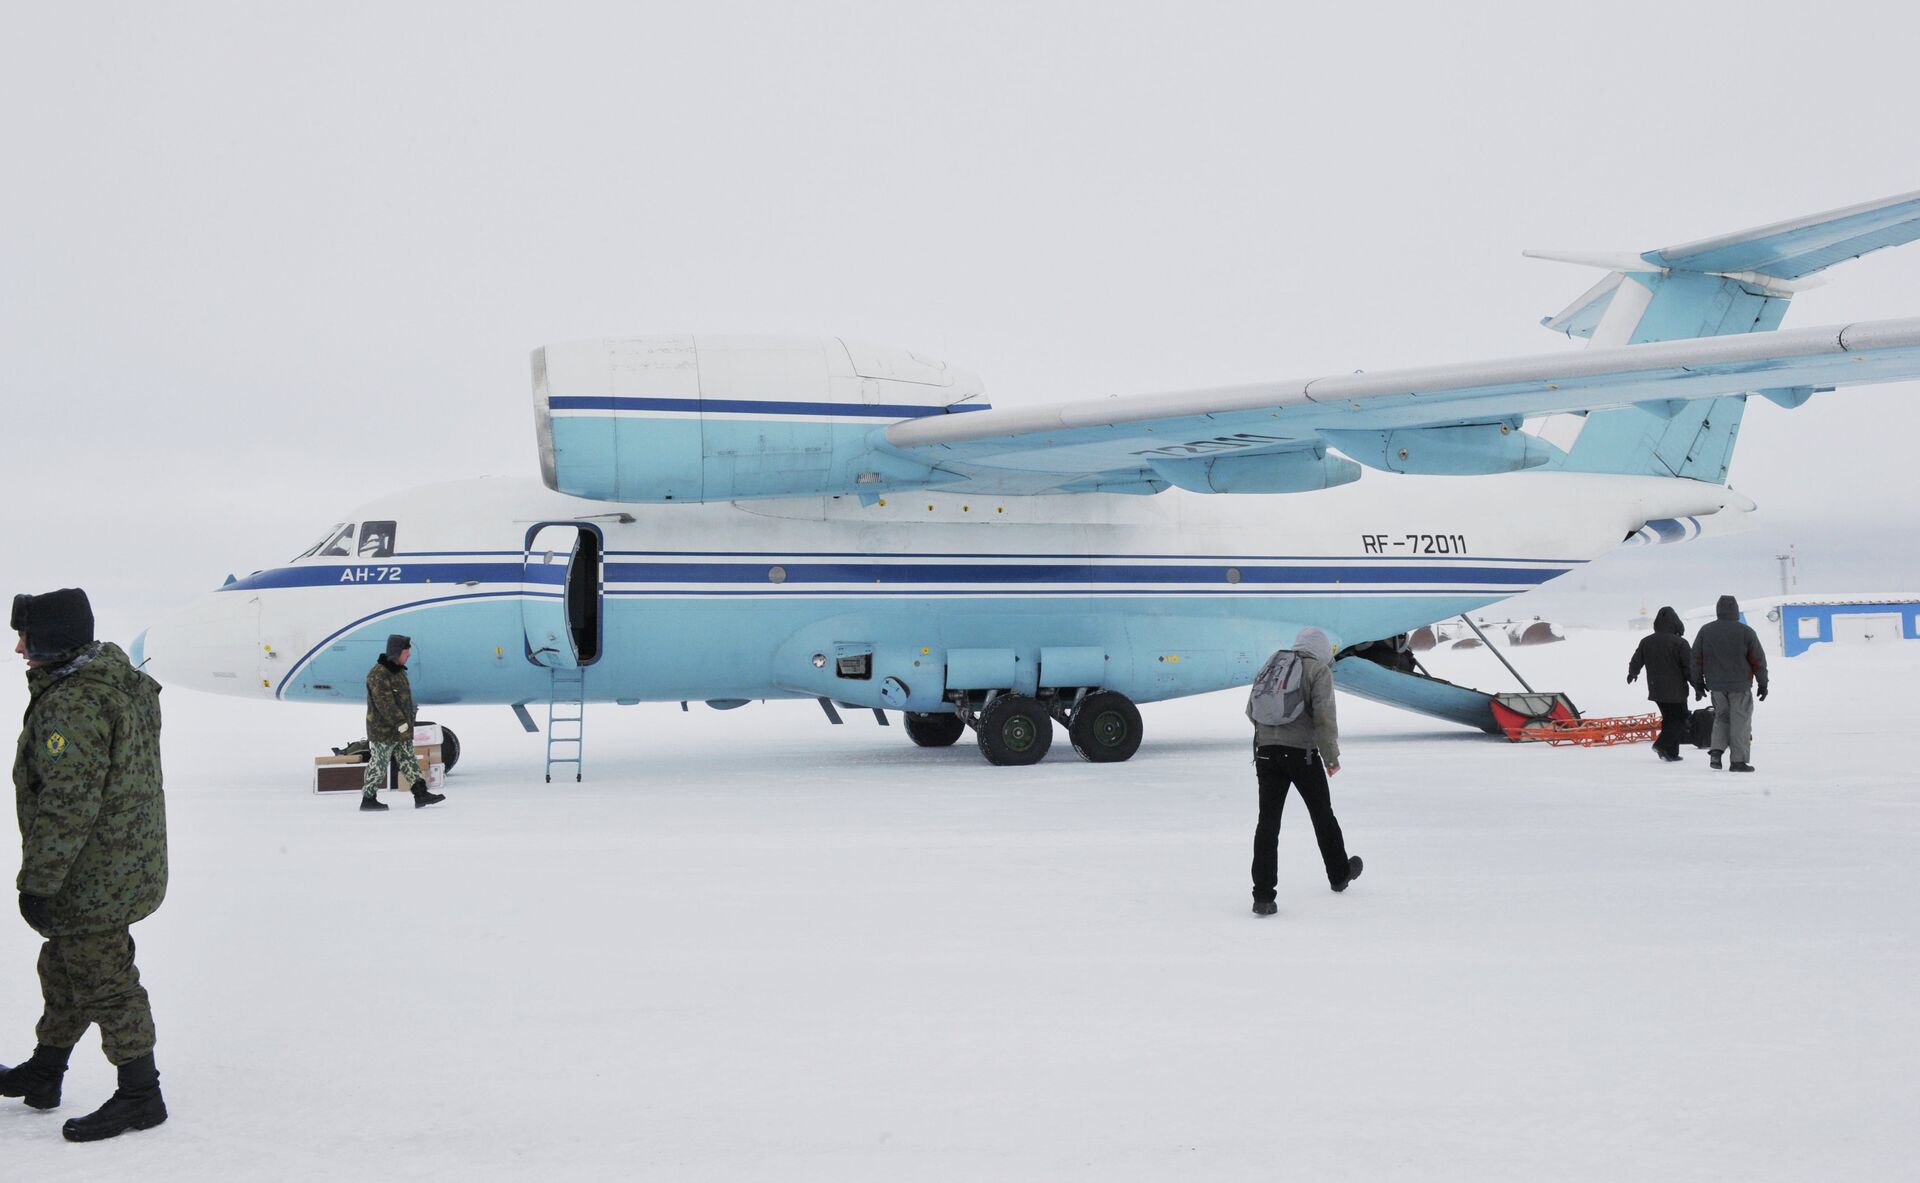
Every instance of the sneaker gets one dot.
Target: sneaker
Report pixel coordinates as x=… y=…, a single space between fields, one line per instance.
x=1739 y=766
x=1713 y=759
x=1265 y=907
x=372 y=804
x=1354 y=867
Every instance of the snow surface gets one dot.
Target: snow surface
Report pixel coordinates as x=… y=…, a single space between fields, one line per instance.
x=750 y=946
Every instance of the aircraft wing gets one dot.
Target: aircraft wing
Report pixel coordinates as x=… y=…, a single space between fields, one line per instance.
x=1461 y=419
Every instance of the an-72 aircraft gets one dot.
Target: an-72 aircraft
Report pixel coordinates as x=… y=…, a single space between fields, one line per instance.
x=733 y=518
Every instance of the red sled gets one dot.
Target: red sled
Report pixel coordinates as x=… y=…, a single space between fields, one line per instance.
x=1519 y=714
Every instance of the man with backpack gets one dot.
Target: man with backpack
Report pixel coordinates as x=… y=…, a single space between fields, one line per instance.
x=1296 y=744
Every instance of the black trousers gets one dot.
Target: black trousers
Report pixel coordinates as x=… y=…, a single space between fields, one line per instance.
x=1280 y=768
x=1675 y=727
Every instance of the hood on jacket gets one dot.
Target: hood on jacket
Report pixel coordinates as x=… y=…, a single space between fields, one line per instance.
x=1668 y=621
x=1727 y=609
x=1313 y=643
x=102 y=661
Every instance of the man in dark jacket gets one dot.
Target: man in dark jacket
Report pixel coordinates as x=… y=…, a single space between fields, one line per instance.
x=390 y=728
x=1668 y=660
x=1728 y=661
x=93 y=856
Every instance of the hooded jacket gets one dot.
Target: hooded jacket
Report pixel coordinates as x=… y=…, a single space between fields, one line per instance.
x=1317 y=726
x=86 y=782
x=1667 y=658
x=1727 y=654
x=389 y=702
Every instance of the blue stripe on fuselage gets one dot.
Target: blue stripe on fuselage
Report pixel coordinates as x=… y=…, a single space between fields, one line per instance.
x=735 y=406
x=800 y=574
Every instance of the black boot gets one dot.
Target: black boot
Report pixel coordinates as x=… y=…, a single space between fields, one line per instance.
x=371 y=804
x=1354 y=867
x=1713 y=759
x=423 y=796
x=135 y=1105
x=37 y=1080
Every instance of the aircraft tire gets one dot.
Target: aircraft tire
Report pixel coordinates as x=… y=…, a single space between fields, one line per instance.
x=934 y=731
x=449 y=747
x=1015 y=730
x=1106 y=730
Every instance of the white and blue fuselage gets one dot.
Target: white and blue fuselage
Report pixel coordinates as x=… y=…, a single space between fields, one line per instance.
x=501 y=581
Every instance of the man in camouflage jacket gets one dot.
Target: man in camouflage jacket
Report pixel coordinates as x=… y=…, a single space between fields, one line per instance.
x=93 y=855
x=390 y=728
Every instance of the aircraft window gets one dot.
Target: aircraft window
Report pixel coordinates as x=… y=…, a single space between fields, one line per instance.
x=333 y=542
x=376 y=540
x=340 y=544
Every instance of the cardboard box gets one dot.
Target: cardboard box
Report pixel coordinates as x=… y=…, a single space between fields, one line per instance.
x=427 y=755
x=427 y=735
x=353 y=758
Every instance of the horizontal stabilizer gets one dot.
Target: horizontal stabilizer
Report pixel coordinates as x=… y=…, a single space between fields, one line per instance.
x=1792 y=249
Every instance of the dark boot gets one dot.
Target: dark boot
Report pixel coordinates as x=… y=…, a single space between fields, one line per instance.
x=1740 y=766
x=1713 y=759
x=423 y=796
x=135 y=1105
x=37 y=1080
x=371 y=804
x=1265 y=907
x=1354 y=867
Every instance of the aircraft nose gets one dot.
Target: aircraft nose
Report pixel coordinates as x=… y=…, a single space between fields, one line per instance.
x=211 y=644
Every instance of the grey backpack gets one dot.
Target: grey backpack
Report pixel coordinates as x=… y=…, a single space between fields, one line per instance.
x=1280 y=691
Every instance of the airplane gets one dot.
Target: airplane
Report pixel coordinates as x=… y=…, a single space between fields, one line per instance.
x=729 y=519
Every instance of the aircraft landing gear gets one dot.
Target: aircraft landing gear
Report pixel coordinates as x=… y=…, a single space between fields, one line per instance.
x=934 y=731
x=1105 y=727
x=1014 y=729
x=449 y=747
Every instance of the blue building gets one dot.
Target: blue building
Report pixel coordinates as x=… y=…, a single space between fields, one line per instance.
x=1806 y=621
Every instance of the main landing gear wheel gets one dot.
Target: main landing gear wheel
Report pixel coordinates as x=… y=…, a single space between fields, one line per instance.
x=1014 y=729
x=1106 y=728
x=934 y=731
x=449 y=747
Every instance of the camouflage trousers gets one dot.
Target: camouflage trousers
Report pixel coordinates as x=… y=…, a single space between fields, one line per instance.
x=92 y=979
x=378 y=755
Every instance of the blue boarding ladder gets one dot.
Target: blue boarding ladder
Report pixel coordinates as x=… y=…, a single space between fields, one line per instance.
x=567 y=720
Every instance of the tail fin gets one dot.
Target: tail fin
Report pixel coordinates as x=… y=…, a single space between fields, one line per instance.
x=1735 y=283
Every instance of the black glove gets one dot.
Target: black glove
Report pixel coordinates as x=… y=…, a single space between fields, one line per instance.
x=1763 y=692
x=1630 y=678
x=1699 y=692
x=37 y=911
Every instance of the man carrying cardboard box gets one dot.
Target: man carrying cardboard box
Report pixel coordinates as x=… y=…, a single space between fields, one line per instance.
x=390 y=728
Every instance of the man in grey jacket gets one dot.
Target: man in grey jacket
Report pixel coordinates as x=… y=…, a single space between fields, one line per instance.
x=1301 y=754
x=1727 y=661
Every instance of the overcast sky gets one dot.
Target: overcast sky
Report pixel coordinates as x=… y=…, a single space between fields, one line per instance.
x=261 y=262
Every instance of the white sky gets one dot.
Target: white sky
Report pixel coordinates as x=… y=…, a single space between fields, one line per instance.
x=259 y=263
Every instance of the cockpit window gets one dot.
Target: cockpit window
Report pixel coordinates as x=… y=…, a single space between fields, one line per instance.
x=340 y=544
x=338 y=540
x=376 y=540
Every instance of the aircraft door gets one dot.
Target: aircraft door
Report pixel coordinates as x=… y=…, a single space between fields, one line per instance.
x=563 y=594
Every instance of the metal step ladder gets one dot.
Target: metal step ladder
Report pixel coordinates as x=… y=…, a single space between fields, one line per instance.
x=567 y=721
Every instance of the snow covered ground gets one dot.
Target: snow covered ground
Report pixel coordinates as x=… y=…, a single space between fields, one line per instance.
x=751 y=946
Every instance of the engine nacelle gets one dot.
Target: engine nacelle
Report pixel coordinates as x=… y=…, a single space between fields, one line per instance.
x=725 y=418
x=1470 y=449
